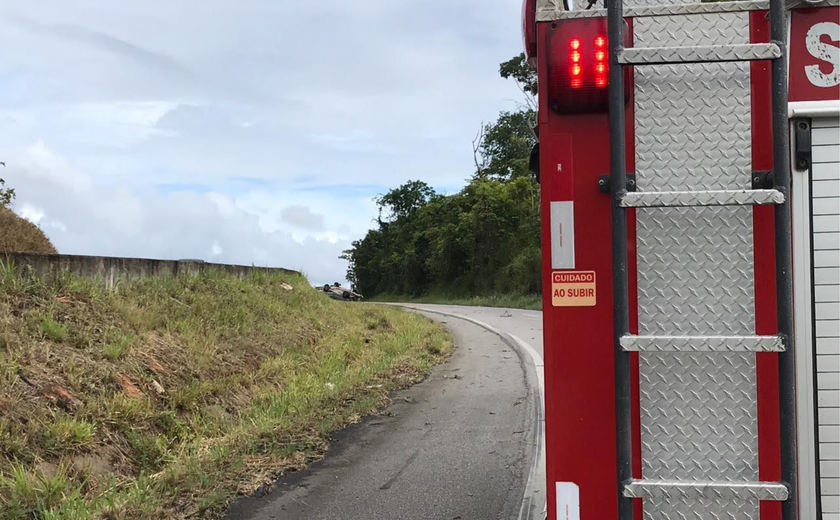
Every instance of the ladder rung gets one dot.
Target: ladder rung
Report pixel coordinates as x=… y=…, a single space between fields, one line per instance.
x=699 y=54
x=548 y=14
x=708 y=489
x=691 y=344
x=655 y=199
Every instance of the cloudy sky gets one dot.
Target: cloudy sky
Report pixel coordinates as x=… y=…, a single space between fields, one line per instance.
x=247 y=131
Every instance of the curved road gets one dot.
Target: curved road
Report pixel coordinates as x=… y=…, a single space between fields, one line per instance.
x=459 y=446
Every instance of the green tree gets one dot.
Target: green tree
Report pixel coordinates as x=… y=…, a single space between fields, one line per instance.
x=402 y=202
x=502 y=149
x=524 y=75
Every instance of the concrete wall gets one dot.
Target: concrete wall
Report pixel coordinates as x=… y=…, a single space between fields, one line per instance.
x=112 y=270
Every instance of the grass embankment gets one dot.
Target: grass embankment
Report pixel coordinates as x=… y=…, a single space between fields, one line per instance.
x=171 y=396
x=19 y=235
x=511 y=301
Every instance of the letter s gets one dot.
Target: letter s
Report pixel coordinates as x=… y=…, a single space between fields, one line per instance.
x=823 y=52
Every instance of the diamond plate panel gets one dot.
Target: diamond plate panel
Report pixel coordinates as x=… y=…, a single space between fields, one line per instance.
x=695 y=273
x=683 y=124
x=702 y=509
x=699 y=418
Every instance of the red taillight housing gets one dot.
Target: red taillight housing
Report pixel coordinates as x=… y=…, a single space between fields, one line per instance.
x=529 y=31
x=579 y=66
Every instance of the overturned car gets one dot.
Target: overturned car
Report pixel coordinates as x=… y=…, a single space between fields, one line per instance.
x=337 y=292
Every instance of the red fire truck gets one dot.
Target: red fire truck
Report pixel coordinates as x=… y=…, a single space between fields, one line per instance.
x=691 y=249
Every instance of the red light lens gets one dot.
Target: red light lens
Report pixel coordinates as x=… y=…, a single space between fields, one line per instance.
x=578 y=66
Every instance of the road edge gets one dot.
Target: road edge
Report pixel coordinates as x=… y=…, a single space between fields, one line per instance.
x=534 y=499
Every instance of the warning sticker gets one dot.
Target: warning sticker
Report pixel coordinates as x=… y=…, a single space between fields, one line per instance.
x=573 y=288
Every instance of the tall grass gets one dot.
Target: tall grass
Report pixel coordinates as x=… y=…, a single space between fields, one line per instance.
x=167 y=398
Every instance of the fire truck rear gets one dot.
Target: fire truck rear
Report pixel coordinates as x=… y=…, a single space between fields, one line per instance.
x=691 y=256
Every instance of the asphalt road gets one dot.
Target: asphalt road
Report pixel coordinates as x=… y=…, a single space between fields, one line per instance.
x=521 y=324
x=459 y=446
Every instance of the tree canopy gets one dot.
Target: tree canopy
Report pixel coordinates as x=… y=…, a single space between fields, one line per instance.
x=484 y=239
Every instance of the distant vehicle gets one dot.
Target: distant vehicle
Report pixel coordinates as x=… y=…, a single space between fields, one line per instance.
x=337 y=292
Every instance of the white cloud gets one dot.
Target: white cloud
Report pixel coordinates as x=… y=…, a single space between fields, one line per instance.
x=120 y=220
x=249 y=131
x=31 y=213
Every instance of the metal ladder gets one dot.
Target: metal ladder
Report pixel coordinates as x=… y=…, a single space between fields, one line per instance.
x=625 y=343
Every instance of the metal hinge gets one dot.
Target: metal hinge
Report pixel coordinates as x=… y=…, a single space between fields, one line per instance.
x=802 y=144
x=762 y=180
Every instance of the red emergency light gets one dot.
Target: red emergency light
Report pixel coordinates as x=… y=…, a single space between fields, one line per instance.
x=529 y=31
x=578 y=64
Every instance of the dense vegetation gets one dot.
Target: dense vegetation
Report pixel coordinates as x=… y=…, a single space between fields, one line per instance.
x=168 y=397
x=483 y=240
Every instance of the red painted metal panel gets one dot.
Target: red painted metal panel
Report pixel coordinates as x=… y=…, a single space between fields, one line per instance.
x=815 y=54
x=578 y=341
x=767 y=364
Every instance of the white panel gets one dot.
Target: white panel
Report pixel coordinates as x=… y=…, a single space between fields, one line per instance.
x=825 y=171
x=829 y=434
x=823 y=189
x=825 y=122
x=831 y=516
x=825 y=154
x=829 y=329
x=827 y=311
x=829 y=451
x=830 y=486
x=823 y=277
x=807 y=448
x=827 y=293
x=562 y=235
x=825 y=206
x=825 y=241
x=568 y=501
x=820 y=136
x=826 y=275
x=828 y=346
x=827 y=364
x=828 y=381
x=826 y=257
x=826 y=223
x=829 y=398
x=830 y=416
